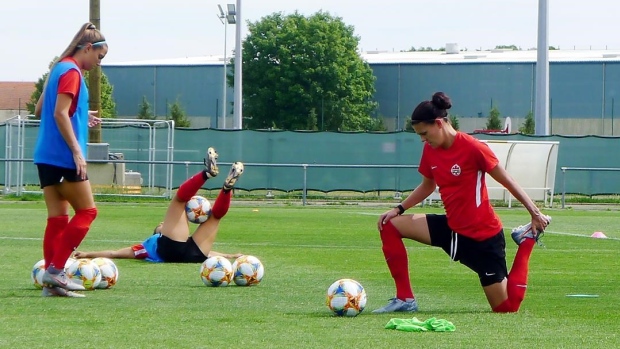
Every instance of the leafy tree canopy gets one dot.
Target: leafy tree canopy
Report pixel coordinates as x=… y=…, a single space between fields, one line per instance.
x=177 y=113
x=528 y=126
x=454 y=120
x=144 y=109
x=304 y=73
x=493 y=121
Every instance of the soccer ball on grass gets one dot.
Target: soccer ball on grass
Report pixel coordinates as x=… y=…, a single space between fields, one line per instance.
x=37 y=274
x=216 y=271
x=39 y=269
x=248 y=271
x=85 y=272
x=109 y=272
x=346 y=297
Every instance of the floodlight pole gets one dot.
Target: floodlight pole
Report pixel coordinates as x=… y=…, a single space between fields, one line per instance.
x=225 y=87
x=222 y=123
x=227 y=17
x=541 y=102
x=238 y=110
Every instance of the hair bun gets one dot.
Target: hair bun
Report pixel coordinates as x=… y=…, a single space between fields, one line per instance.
x=91 y=26
x=441 y=101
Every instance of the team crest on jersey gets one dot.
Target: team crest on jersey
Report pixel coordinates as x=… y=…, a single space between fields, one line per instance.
x=456 y=170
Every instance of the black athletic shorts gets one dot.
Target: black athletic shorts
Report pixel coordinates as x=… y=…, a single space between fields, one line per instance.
x=487 y=258
x=50 y=175
x=179 y=252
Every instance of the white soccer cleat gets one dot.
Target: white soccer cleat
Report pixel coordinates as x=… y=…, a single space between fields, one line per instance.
x=236 y=170
x=522 y=232
x=210 y=163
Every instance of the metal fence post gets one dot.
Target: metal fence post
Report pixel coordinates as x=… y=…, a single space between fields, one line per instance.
x=563 y=185
x=305 y=186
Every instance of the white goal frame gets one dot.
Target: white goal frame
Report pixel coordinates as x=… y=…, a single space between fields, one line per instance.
x=15 y=142
x=532 y=164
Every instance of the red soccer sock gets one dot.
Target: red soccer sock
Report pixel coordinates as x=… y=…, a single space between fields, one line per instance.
x=222 y=203
x=517 y=278
x=54 y=228
x=191 y=186
x=505 y=307
x=396 y=259
x=73 y=235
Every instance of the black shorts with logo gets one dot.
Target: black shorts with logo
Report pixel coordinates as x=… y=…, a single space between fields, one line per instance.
x=50 y=175
x=487 y=258
x=179 y=251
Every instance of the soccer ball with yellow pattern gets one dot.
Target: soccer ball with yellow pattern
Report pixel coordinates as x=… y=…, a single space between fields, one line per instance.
x=109 y=272
x=248 y=271
x=39 y=269
x=37 y=274
x=198 y=209
x=216 y=271
x=346 y=297
x=85 y=272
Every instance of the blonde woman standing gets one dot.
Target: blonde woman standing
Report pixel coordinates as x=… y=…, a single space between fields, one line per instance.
x=60 y=156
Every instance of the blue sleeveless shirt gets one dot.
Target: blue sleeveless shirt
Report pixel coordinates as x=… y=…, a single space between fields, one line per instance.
x=51 y=148
x=150 y=245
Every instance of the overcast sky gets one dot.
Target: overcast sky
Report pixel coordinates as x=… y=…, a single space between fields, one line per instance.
x=33 y=32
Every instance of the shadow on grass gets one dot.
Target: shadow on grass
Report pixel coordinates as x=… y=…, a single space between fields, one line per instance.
x=366 y=312
x=25 y=292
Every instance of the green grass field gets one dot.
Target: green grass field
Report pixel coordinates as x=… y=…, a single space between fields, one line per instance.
x=305 y=249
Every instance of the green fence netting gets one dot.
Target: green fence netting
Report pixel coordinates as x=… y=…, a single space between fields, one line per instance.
x=274 y=159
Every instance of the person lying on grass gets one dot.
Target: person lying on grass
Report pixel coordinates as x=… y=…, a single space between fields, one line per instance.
x=171 y=241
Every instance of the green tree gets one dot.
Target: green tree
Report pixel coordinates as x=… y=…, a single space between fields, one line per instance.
x=454 y=121
x=375 y=124
x=528 y=126
x=36 y=94
x=108 y=106
x=312 y=120
x=493 y=121
x=293 y=64
x=38 y=89
x=408 y=126
x=178 y=115
x=144 y=111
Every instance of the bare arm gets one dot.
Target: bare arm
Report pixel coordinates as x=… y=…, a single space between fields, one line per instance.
x=420 y=193
x=225 y=255
x=539 y=223
x=63 y=121
x=123 y=253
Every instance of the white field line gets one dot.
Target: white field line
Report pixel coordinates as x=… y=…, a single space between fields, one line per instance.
x=546 y=232
x=418 y=248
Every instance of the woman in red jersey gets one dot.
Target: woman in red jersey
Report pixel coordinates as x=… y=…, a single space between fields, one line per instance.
x=60 y=156
x=470 y=231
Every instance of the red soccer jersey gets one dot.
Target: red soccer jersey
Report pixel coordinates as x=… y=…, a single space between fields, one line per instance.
x=69 y=83
x=459 y=172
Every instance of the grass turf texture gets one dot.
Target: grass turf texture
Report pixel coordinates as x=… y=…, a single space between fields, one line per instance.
x=304 y=250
